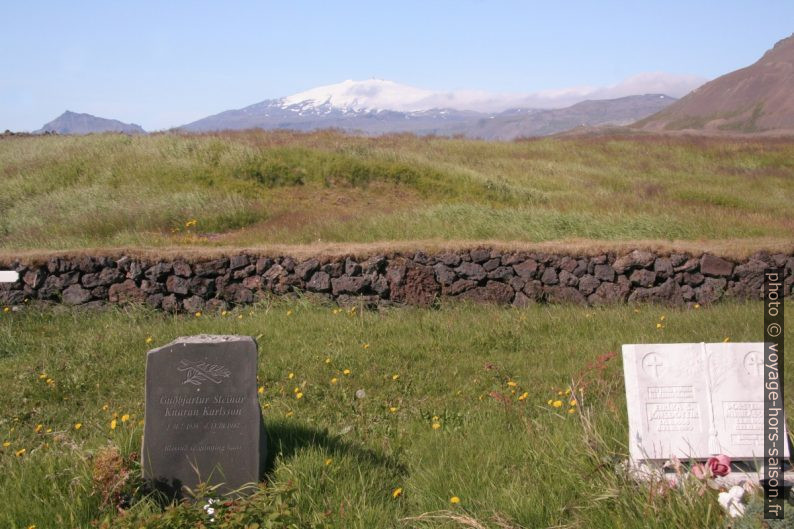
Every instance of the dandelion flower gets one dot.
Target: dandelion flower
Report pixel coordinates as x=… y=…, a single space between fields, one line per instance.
x=365 y=346
x=454 y=500
x=568 y=391
x=334 y=380
x=291 y=376
x=149 y=339
x=572 y=410
x=328 y=360
x=239 y=316
x=299 y=395
x=572 y=402
x=560 y=393
x=125 y=417
x=511 y=383
x=224 y=313
x=549 y=402
x=557 y=403
x=42 y=376
x=20 y=452
x=105 y=407
x=38 y=428
x=6 y=309
x=78 y=425
x=395 y=376
x=261 y=390
x=662 y=317
x=48 y=430
x=346 y=372
x=288 y=414
x=396 y=493
x=659 y=326
x=393 y=409
x=6 y=444
x=50 y=381
x=113 y=424
x=296 y=389
x=436 y=425
x=697 y=305
x=289 y=312
x=523 y=396
x=726 y=339
x=328 y=461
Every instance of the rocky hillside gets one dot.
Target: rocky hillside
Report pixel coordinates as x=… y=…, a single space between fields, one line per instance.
x=757 y=98
x=74 y=123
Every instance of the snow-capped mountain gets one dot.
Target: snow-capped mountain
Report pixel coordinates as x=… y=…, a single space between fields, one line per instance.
x=379 y=107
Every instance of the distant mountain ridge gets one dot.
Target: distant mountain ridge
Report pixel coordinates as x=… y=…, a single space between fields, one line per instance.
x=74 y=123
x=373 y=107
x=758 y=98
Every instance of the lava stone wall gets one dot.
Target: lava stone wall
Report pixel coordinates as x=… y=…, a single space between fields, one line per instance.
x=481 y=275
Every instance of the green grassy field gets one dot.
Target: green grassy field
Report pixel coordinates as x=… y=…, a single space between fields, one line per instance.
x=483 y=375
x=259 y=188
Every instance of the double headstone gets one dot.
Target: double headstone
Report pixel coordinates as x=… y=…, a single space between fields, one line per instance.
x=203 y=420
x=695 y=400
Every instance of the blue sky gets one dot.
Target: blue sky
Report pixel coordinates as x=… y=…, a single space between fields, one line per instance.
x=166 y=63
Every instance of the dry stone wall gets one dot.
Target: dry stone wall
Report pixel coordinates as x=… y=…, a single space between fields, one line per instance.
x=480 y=275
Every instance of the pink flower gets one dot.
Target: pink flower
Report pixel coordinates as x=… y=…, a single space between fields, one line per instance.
x=719 y=465
x=716 y=466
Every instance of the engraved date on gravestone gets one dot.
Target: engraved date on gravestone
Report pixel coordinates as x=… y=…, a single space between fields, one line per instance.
x=673 y=416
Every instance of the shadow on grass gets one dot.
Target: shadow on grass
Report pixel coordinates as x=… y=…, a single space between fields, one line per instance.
x=285 y=439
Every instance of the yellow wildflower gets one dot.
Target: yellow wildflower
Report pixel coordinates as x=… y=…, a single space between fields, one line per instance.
x=78 y=425
x=125 y=417
x=38 y=428
x=726 y=339
x=6 y=444
x=511 y=383
x=346 y=372
x=523 y=396
x=288 y=414
x=299 y=395
x=289 y=312
x=20 y=452
x=697 y=305
x=291 y=376
x=557 y=403
x=549 y=402
x=328 y=461
x=572 y=410
x=105 y=407
x=436 y=425
x=365 y=346
x=48 y=430
x=395 y=376
x=6 y=309
x=113 y=424
x=149 y=339
x=261 y=390
x=42 y=376
x=454 y=500
x=659 y=326
x=393 y=409
x=662 y=317
x=568 y=391
x=224 y=313
x=572 y=402
x=239 y=316
x=334 y=380
x=50 y=381
x=560 y=393
x=198 y=314
x=328 y=360
x=396 y=493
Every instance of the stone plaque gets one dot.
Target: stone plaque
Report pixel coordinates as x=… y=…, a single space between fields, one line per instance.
x=695 y=400
x=203 y=420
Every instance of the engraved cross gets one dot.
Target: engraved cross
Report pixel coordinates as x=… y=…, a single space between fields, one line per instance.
x=652 y=362
x=753 y=361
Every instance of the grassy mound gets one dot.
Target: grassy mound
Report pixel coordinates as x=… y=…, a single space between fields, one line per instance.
x=464 y=402
x=253 y=188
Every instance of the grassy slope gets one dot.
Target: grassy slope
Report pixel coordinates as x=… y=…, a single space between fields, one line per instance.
x=258 y=188
x=524 y=462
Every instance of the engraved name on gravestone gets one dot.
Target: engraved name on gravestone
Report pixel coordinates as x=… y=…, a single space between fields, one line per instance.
x=695 y=400
x=203 y=420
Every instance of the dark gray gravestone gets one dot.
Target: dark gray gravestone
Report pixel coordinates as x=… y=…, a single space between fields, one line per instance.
x=203 y=420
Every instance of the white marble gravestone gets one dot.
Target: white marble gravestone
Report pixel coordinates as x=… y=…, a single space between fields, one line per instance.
x=695 y=400
x=9 y=276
